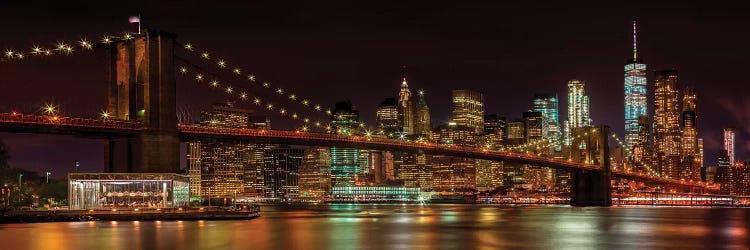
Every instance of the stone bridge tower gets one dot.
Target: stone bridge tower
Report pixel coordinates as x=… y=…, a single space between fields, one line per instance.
x=142 y=88
x=591 y=187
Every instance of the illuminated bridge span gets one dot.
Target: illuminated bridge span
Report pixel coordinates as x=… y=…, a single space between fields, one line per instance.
x=53 y=124
x=29 y=123
x=192 y=132
x=142 y=134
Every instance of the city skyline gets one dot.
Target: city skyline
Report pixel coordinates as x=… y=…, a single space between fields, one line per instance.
x=422 y=75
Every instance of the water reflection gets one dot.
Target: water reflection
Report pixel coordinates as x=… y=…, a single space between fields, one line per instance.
x=356 y=226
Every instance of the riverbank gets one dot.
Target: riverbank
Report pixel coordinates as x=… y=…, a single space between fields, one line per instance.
x=129 y=215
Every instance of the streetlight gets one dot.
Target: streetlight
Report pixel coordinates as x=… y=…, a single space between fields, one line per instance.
x=48 y=173
x=19 y=187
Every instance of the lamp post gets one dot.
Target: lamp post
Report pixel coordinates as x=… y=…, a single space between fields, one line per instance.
x=20 y=175
x=48 y=173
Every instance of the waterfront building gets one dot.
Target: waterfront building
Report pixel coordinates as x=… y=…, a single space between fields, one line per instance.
x=489 y=175
x=635 y=95
x=667 y=123
x=406 y=108
x=416 y=171
x=225 y=169
x=454 y=173
x=468 y=109
x=127 y=190
x=387 y=118
x=344 y=161
x=740 y=179
x=375 y=194
x=723 y=174
x=281 y=172
x=314 y=174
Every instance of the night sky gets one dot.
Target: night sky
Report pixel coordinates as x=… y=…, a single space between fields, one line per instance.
x=331 y=51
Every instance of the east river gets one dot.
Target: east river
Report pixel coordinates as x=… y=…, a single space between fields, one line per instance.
x=344 y=226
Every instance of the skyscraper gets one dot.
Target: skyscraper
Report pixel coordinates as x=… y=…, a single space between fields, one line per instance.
x=422 y=125
x=635 y=94
x=468 y=109
x=547 y=104
x=314 y=174
x=406 y=108
x=667 y=123
x=578 y=108
x=536 y=127
x=224 y=168
x=344 y=161
x=387 y=117
x=691 y=157
x=729 y=144
x=281 y=172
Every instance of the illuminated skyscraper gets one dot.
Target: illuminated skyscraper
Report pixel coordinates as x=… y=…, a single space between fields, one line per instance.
x=314 y=174
x=635 y=94
x=454 y=173
x=729 y=144
x=547 y=105
x=387 y=117
x=344 y=161
x=578 y=108
x=691 y=157
x=489 y=174
x=536 y=127
x=281 y=172
x=667 y=123
x=422 y=124
x=224 y=168
x=468 y=109
x=415 y=171
x=406 y=108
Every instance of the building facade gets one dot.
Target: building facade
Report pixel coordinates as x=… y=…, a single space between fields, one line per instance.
x=406 y=108
x=422 y=124
x=635 y=95
x=314 y=174
x=281 y=172
x=387 y=118
x=578 y=109
x=468 y=109
x=667 y=123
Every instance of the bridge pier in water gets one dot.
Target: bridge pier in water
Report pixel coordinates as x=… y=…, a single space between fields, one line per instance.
x=142 y=87
x=591 y=187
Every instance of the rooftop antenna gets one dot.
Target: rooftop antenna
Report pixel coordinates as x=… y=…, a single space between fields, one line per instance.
x=635 y=45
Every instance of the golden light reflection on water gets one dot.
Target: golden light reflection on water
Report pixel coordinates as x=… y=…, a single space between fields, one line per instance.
x=406 y=227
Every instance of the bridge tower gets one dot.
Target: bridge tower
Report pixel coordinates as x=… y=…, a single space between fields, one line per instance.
x=142 y=87
x=591 y=187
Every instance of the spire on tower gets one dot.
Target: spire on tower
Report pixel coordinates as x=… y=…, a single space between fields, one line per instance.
x=403 y=79
x=635 y=45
